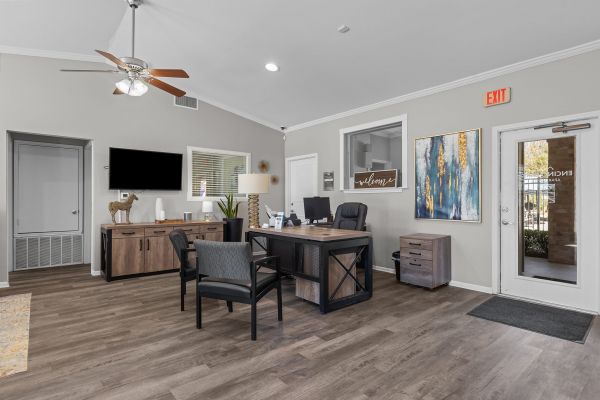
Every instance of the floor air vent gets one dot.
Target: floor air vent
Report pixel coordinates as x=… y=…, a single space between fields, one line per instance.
x=187 y=102
x=47 y=251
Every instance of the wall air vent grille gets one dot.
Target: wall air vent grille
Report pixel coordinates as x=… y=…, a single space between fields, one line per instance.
x=186 y=102
x=47 y=251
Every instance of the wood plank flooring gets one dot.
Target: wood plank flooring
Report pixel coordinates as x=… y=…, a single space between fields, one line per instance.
x=128 y=340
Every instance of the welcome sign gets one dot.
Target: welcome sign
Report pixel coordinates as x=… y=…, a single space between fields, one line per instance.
x=376 y=179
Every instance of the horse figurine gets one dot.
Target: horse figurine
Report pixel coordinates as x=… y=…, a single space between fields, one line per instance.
x=115 y=206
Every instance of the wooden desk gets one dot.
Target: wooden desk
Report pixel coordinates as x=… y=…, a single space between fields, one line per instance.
x=324 y=261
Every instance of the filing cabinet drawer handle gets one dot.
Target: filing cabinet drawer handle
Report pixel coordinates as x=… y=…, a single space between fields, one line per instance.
x=159 y=231
x=212 y=229
x=414 y=244
x=416 y=265
x=128 y=233
x=414 y=254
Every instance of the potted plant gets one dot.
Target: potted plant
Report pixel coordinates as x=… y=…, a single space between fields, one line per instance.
x=233 y=227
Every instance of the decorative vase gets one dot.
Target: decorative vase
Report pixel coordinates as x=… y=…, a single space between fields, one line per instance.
x=158 y=208
x=233 y=229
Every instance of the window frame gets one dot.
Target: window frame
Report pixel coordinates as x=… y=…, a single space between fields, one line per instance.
x=191 y=149
x=402 y=119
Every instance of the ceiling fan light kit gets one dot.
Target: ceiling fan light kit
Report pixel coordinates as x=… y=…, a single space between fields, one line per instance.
x=139 y=75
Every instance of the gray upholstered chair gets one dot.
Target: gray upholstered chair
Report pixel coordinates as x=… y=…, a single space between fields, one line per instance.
x=351 y=216
x=226 y=271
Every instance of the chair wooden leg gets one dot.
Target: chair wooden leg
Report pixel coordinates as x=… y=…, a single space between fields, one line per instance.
x=230 y=306
x=279 y=305
x=182 y=294
x=253 y=322
x=198 y=310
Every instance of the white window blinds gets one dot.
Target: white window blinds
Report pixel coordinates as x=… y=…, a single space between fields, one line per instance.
x=214 y=172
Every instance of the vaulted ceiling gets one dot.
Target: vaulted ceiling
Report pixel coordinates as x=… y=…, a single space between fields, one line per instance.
x=393 y=47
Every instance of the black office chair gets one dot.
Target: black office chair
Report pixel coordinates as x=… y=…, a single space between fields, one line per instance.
x=226 y=271
x=187 y=272
x=351 y=216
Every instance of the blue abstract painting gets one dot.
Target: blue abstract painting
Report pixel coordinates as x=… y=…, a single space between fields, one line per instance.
x=447 y=177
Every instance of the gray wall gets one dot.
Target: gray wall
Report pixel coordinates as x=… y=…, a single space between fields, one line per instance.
x=36 y=98
x=560 y=88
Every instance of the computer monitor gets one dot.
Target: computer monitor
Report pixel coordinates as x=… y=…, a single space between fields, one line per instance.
x=316 y=208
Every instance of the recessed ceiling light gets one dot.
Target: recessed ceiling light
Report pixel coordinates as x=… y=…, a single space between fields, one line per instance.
x=272 y=67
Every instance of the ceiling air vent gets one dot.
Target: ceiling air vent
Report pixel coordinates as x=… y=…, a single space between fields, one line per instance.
x=186 y=102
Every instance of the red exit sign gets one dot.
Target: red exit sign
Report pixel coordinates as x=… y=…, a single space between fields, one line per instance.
x=495 y=97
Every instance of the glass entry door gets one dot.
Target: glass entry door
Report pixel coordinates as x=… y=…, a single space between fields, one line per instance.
x=550 y=192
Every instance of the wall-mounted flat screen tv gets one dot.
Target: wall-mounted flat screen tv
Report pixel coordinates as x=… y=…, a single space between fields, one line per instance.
x=144 y=170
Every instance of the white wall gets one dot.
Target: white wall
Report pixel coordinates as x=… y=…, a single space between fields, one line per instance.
x=560 y=88
x=35 y=97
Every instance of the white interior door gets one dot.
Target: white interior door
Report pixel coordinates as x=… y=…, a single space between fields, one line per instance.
x=301 y=182
x=549 y=227
x=48 y=190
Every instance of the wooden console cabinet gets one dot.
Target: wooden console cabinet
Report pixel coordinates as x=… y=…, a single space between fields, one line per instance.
x=145 y=248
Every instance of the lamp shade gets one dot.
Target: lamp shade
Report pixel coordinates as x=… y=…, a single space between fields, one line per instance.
x=253 y=183
x=207 y=206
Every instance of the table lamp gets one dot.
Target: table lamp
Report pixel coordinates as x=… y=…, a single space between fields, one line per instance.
x=207 y=208
x=253 y=185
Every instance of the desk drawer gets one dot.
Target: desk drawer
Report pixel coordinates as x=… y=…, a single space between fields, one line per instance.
x=416 y=275
x=127 y=232
x=158 y=231
x=416 y=243
x=418 y=263
x=416 y=253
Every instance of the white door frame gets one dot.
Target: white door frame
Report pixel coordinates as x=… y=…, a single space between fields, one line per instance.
x=496 y=132
x=287 y=176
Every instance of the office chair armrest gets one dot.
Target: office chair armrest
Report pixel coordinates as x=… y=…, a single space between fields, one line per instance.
x=269 y=262
x=263 y=262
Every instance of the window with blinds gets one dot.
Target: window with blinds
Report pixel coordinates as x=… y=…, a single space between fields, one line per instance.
x=213 y=173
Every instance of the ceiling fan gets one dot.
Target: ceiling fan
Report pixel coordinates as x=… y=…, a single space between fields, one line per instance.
x=138 y=73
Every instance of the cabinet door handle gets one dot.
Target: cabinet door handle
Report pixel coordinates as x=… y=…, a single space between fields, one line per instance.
x=128 y=233
x=212 y=229
x=414 y=254
x=414 y=244
x=147 y=244
x=141 y=245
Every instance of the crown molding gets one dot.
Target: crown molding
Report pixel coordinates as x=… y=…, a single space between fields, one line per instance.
x=519 y=66
x=61 y=55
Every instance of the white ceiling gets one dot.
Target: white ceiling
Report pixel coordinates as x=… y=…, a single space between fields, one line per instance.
x=393 y=48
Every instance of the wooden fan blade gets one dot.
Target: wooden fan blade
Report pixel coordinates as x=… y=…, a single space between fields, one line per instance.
x=117 y=91
x=168 y=73
x=113 y=59
x=91 y=70
x=166 y=87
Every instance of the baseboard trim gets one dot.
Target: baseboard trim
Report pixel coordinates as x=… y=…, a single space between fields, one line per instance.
x=96 y=273
x=3 y=285
x=384 y=269
x=470 y=286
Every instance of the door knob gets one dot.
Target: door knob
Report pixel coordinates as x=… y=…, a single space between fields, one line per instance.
x=506 y=222
x=74 y=212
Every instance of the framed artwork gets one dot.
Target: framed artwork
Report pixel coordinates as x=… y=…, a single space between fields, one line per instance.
x=448 y=176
